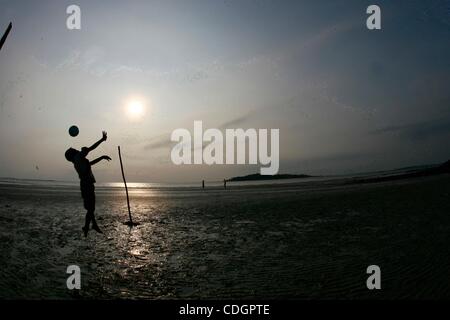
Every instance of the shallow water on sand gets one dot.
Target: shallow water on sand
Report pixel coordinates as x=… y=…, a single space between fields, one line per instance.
x=287 y=241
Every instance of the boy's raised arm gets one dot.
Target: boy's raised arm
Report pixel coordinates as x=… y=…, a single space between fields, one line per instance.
x=95 y=145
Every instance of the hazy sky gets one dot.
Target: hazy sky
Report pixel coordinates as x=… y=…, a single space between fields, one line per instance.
x=345 y=99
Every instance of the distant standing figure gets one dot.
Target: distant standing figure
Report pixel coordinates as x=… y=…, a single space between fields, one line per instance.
x=224 y=183
x=203 y=184
x=87 y=180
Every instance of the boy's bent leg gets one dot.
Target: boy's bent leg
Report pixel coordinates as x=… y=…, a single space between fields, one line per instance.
x=95 y=225
x=91 y=198
x=87 y=222
x=88 y=194
x=85 y=231
x=88 y=219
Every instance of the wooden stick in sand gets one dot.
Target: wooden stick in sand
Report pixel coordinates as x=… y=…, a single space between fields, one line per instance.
x=129 y=223
x=5 y=35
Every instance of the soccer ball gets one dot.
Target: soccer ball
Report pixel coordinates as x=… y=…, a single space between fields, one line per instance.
x=73 y=131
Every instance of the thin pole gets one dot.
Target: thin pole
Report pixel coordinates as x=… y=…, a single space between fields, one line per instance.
x=126 y=188
x=2 y=41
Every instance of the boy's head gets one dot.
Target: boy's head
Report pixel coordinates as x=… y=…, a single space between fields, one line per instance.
x=70 y=154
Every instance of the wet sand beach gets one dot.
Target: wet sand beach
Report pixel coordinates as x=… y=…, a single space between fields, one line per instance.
x=308 y=241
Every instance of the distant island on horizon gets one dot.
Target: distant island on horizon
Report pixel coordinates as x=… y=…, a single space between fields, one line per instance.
x=259 y=177
x=414 y=171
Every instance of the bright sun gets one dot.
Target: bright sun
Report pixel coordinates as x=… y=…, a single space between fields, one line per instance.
x=135 y=109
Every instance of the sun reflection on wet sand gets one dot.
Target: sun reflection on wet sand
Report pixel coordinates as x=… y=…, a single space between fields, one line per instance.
x=139 y=253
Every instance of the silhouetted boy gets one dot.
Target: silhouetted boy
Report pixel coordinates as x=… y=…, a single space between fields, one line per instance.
x=87 y=180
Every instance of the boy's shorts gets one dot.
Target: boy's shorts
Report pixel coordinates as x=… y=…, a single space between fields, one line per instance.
x=88 y=195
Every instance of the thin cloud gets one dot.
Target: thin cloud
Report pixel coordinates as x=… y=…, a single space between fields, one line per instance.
x=163 y=141
x=160 y=142
x=235 y=122
x=419 y=130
